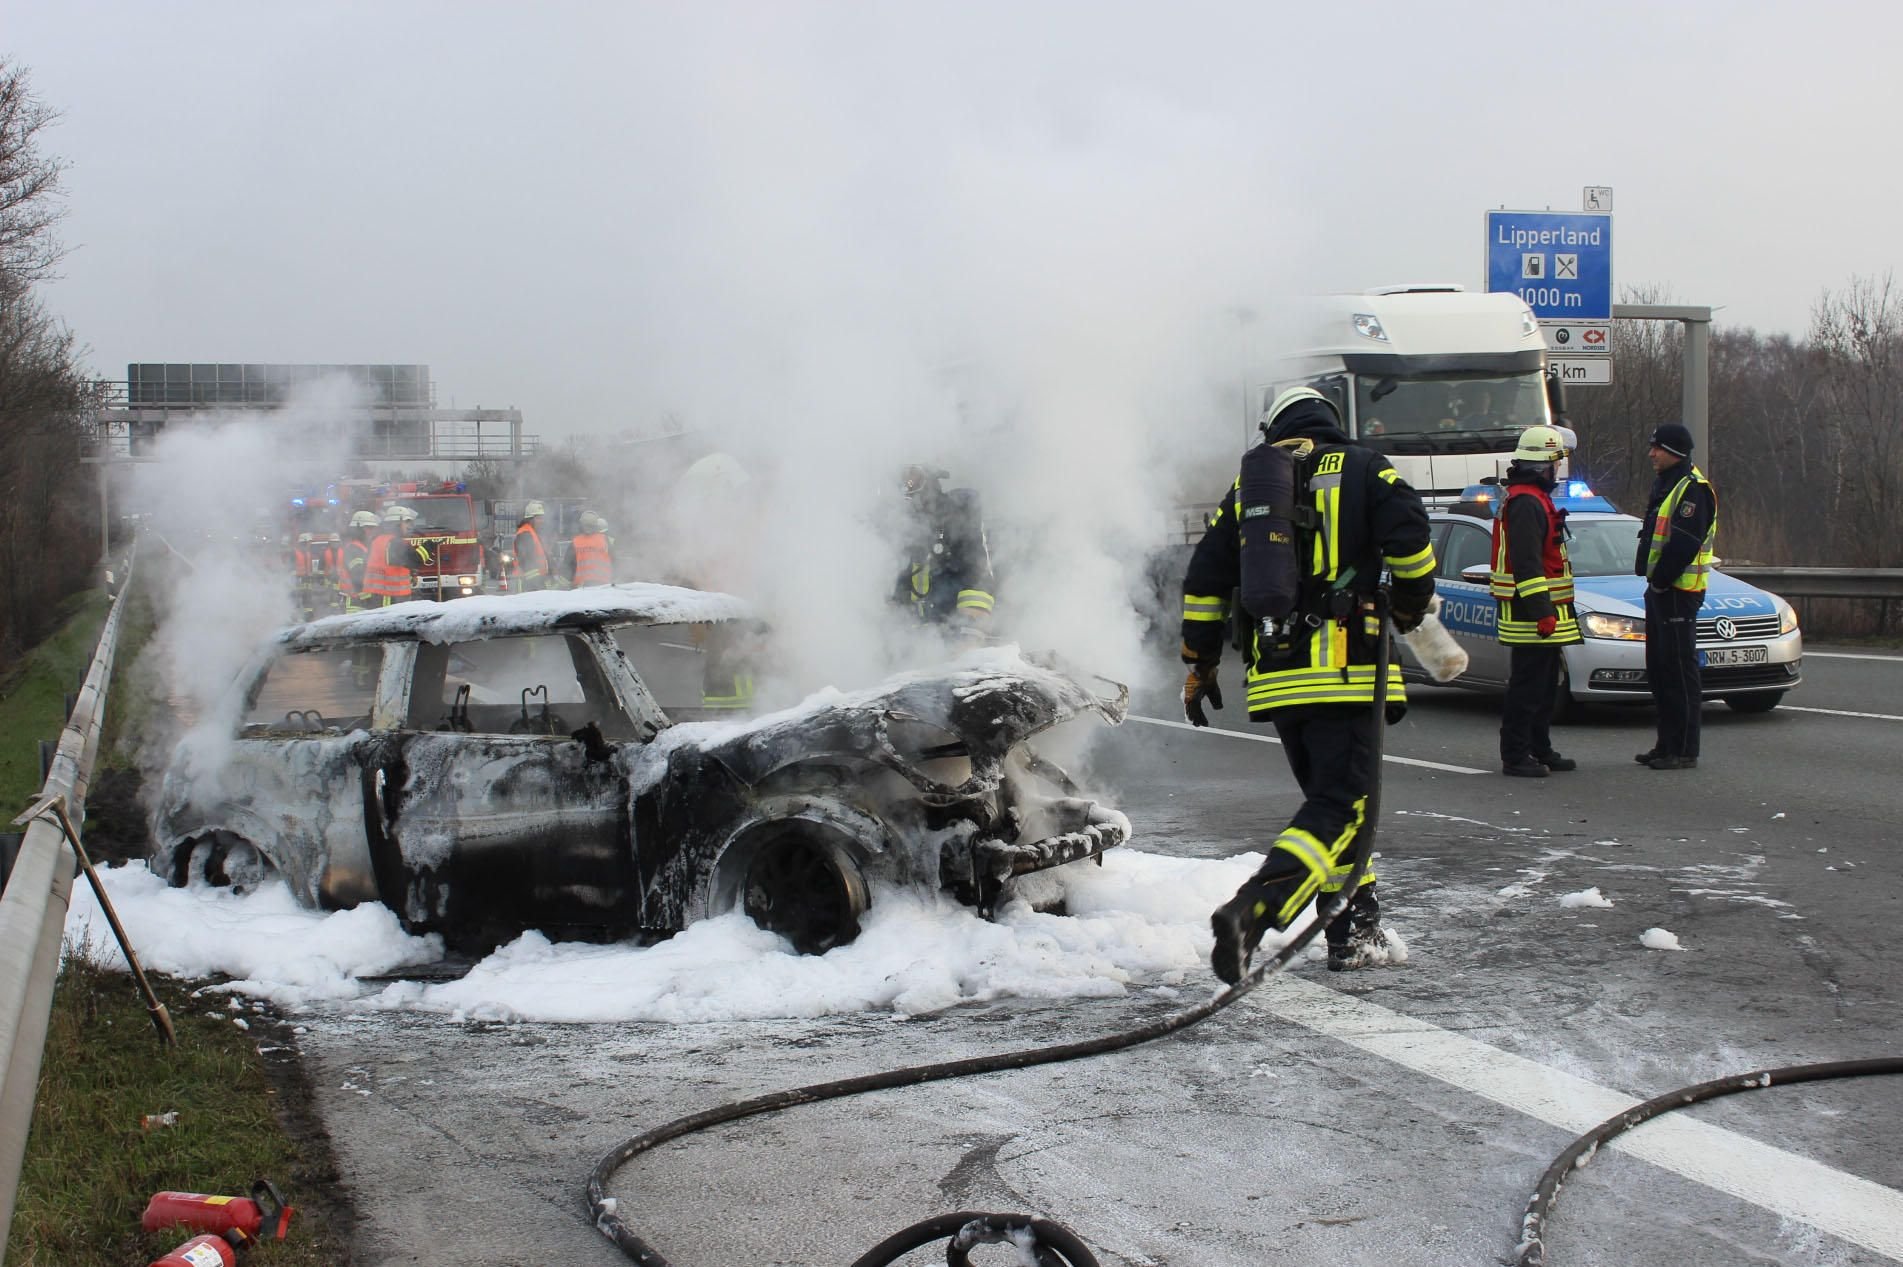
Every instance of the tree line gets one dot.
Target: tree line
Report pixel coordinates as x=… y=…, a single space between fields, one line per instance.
x=1806 y=434
x=49 y=543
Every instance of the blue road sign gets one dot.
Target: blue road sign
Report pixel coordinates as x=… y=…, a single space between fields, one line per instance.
x=1560 y=262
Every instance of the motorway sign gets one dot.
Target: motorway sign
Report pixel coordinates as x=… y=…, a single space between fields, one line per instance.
x=1559 y=262
x=1578 y=338
x=1593 y=371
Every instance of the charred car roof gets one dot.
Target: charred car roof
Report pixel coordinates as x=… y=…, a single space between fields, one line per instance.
x=507 y=615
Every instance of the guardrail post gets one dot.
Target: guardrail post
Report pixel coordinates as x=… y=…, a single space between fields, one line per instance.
x=47 y=749
x=9 y=850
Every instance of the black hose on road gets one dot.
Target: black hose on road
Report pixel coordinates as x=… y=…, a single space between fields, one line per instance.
x=1532 y=1246
x=609 y=1222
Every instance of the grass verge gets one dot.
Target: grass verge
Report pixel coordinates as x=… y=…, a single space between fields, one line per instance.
x=33 y=696
x=96 y=1156
x=244 y=1109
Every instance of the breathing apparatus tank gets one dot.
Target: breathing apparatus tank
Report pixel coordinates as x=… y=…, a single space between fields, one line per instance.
x=1266 y=515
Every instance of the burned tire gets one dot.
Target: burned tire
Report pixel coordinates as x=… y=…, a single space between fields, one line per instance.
x=806 y=886
x=224 y=861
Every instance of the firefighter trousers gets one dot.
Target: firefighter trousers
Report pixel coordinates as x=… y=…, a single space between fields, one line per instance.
x=1526 y=719
x=1671 y=666
x=1330 y=750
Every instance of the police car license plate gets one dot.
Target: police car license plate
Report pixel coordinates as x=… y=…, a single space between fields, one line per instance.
x=1734 y=655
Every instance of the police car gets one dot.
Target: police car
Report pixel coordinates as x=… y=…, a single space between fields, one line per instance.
x=1749 y=646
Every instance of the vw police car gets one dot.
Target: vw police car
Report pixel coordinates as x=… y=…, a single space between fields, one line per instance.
x=1749 y=646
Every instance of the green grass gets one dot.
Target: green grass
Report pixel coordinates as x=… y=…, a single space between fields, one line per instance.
x=33 y=697
x=92 y=1163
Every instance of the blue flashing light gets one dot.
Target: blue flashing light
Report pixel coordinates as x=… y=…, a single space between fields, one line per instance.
x=297 y=501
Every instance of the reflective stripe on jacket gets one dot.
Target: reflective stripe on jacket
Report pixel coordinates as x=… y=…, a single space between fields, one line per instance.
x=1525 y=599
x=1693 y=579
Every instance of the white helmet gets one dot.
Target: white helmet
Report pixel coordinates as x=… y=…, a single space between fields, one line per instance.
x=1540 y=444
x=1291 y=396
x=397 y=514
x=591 y=522
x=303 y=538
x=364 y=519
x=531 y=509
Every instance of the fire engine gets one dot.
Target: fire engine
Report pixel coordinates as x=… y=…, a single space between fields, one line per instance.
x=446 y=525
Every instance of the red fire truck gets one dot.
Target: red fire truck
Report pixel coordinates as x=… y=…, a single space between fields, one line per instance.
x=446 y=524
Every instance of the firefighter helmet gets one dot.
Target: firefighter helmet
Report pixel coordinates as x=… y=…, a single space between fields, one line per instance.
x=1540 y=444
x=1287 y=399
x=364 y=519
x=530 y=510
x=591 y=522
x=303 y=538
x=397 y=514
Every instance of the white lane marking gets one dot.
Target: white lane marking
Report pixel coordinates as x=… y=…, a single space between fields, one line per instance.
x=1831 y=1200
x=1237 y=734
x=1851 y=655
x=1840 y=712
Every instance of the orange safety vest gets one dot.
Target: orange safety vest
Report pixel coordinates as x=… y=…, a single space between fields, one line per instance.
x=540 y=568
x=381 y=578
x=301 y=561
x=593 y=564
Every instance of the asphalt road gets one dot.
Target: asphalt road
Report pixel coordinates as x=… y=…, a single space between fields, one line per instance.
x=1392 y=1117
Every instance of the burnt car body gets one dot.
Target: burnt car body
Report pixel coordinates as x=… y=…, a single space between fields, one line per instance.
x=533 y=762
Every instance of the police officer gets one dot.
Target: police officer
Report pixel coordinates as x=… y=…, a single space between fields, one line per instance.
x=1533 y=582
x=1314 y=678
x=1675 y=558
x=947 y=578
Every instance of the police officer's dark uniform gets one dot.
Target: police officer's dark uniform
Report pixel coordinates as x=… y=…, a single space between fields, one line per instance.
x=1675 y=558
x=1532 y=580
x=1315 y=681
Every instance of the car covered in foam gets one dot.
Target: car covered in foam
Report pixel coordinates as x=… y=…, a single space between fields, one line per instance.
x=556 y=761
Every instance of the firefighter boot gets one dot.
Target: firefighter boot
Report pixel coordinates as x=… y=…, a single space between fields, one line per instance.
x=1354 y=937
x=1240 y=922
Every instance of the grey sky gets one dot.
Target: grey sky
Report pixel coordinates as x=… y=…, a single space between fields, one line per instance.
x=599 y=213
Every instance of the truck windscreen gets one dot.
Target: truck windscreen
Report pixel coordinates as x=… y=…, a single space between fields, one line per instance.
x=1447 y=415
x=442 y=515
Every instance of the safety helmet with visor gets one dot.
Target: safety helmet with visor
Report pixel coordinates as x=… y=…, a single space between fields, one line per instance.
x=1540 y=444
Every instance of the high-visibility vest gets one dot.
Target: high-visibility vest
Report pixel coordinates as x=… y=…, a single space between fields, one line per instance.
x=381 y=578
x=529 y=569
x=594 y=565
x=301 y=561
x=1693 y=578
x=1555 y=579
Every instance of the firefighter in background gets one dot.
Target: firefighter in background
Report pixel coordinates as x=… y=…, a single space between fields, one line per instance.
x=1532 y=581
x=591 y=558
x=1675 y=558
x=529 y=569
x=389 y=571
x=1313 y=674
x=353 y=556
x=308 y=567
x=947 y=578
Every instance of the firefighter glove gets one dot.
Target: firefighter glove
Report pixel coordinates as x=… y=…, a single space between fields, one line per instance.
x=1547 y=626
x=1406 y=622
x=1198 y=686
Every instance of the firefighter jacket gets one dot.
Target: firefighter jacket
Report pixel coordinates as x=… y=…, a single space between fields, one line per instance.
x=530 y=569
x=353 y=558
x=388 y=569
x=1532 y=577
x=1367 y=517
x=948 y=566
x=1679 y=530
x=591 y=559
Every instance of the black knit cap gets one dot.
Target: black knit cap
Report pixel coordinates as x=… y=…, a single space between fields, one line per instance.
x=1674 y=438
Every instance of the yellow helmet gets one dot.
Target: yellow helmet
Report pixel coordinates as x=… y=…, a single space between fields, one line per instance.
x=1540 y=444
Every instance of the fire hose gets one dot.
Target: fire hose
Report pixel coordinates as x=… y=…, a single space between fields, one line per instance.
x=1052 y=1244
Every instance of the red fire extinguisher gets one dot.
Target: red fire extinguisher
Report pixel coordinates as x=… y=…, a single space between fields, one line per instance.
x=206 y=1251
x=204 y=1213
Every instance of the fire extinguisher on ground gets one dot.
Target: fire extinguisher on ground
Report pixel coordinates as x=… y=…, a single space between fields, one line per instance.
x=201 y=1212
x=220 y=1250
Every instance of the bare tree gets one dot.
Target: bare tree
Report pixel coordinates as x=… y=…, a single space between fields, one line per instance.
x=1859 y=334
x=29 y=183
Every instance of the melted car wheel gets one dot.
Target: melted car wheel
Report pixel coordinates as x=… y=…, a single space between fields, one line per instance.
x=226 y=862
x=808 y=889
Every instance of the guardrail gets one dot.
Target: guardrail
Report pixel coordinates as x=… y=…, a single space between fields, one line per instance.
x=1884 y=583
x=33 y=916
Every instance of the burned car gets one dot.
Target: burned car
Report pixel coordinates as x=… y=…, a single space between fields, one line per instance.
x=552 y=761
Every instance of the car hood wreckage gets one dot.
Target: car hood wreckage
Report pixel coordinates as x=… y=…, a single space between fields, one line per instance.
x=429 y=756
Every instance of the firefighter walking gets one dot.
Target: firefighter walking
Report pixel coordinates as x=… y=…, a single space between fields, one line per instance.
x=591 y=559
x=528 y=566
x=1675 y=558
x=1312 y=674
x=394 y=559
x=1532 y=581
x=353 y=557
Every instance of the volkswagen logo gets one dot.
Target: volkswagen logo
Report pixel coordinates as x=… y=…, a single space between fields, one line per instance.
x=1727 y=628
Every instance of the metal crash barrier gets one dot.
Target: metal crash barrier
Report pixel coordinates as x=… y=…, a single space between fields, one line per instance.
x=33 y=915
